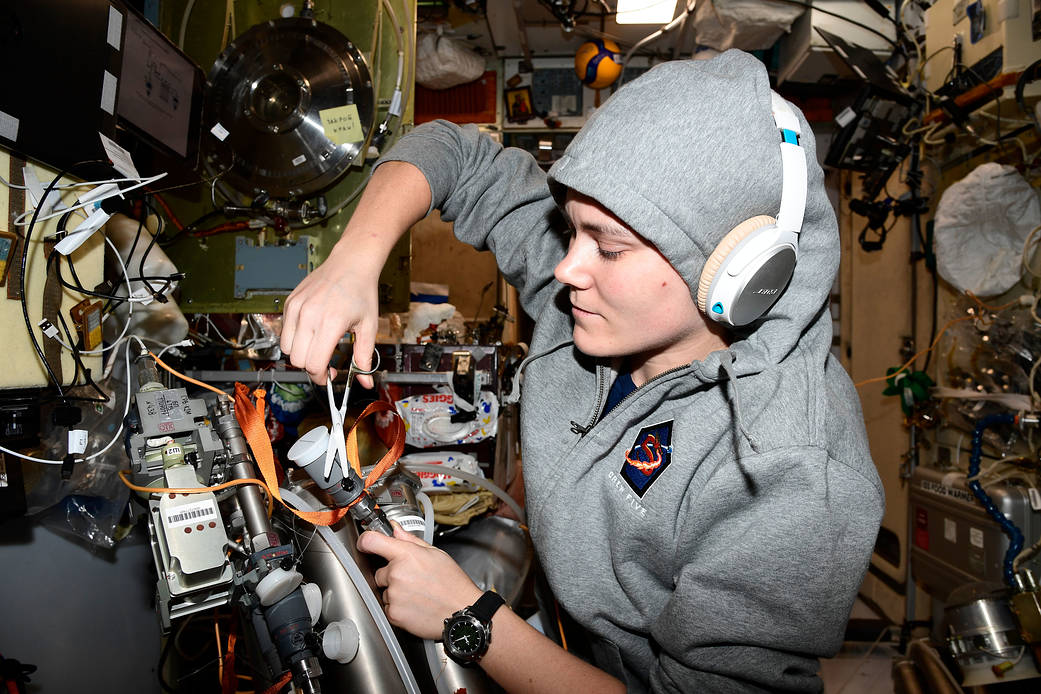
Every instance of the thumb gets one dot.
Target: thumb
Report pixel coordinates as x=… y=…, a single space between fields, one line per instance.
x=379 y=544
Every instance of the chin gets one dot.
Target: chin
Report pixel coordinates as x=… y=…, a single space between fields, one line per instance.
x=592 y=346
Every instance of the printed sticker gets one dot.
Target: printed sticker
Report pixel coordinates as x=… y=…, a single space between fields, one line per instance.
x=220 y=132
x=976 y=537
x=191 y=513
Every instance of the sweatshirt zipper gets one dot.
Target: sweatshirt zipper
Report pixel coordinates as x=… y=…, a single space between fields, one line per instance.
x=583 y=430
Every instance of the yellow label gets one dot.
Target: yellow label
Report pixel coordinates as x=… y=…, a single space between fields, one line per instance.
x=342 y=124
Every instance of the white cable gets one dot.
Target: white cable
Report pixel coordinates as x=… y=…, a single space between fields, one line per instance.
x=688 y=8
x=184 y=23
x=473 y=479
x=365 y=591
x=74 y=184
x=115 y=437
x=20 y=220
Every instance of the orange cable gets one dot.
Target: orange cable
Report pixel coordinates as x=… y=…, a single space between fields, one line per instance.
x=939 y=335
x=198 y=490
x=912 y=359
x=560 y=625
x=181 y=376
x=994 y=309
x=220 y=656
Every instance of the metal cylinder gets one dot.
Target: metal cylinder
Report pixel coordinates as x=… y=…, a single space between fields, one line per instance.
x=147 y=374
x=372 y=670
x=254 y=509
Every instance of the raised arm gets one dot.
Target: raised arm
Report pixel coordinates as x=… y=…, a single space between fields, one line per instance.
x=498 y=200
x=340 y=296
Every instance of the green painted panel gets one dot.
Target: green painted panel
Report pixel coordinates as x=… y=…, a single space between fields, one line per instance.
x=209 y=262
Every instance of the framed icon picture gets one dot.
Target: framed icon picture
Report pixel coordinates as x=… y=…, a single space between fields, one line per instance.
x=518 y=105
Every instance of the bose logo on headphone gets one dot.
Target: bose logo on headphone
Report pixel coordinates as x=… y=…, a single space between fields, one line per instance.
x=750 y=268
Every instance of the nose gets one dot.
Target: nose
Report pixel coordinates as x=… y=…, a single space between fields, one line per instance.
x=572 y=269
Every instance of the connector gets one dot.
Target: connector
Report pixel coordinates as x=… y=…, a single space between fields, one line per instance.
x=48 y=329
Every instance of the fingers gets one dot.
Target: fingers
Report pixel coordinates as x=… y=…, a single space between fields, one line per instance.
x=289 y=314
x=364 y=344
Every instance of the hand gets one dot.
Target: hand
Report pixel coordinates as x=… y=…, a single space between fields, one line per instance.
x=423 y=585
x=341 y=295
x=336 y=298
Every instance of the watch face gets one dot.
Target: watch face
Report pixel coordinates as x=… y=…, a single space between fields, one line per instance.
x=465 y=636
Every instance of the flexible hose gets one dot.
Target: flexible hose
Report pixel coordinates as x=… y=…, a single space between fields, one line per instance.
x=434 y=661
x=428 y=517
x=472 y=479
x=373 y=605
x=1015 y=536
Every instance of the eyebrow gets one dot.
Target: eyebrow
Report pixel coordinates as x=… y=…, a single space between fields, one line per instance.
x=616 y=230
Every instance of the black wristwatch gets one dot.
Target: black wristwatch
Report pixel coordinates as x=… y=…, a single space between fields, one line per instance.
x=468 y=632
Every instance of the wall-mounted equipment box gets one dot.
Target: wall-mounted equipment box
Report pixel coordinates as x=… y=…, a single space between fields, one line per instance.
x=954 y=541
x=804 y=55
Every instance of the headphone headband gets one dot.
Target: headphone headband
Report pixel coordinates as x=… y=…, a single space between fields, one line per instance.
x=793 y=166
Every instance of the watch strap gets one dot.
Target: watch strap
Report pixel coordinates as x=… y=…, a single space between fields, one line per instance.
x=486 y=606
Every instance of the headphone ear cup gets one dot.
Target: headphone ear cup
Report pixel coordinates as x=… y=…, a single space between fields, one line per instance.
x=729 y=243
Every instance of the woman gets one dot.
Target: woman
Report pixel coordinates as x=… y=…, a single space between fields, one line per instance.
x=701 y=497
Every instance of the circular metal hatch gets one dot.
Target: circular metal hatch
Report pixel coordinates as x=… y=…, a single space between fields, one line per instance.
x=289 y=106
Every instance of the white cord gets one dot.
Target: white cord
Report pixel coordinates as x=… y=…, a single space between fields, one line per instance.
x=115 y=437
x=20 y=220
x=74 y=184
x=688 y=8
x=184 y=23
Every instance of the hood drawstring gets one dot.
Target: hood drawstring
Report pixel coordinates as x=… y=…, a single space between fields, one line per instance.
x=727 y=362
x=514 y=394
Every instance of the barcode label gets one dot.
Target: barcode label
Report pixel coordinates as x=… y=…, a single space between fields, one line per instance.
x=411 y=524
x=191 y=513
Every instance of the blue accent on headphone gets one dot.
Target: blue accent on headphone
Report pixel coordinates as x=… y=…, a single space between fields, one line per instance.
x=789 y=136
x=594 y=62
x=717 y=307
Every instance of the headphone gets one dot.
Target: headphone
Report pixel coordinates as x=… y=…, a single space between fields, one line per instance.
x=750 y=268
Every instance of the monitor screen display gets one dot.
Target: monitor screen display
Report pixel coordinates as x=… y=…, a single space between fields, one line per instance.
x=157 y=86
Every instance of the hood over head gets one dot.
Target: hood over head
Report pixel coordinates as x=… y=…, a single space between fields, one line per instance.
x=685 y=153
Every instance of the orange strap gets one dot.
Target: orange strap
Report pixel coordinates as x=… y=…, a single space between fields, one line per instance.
x=250 y=416
x=280 y=684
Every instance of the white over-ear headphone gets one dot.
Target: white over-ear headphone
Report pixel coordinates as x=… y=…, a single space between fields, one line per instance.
x=750 y=268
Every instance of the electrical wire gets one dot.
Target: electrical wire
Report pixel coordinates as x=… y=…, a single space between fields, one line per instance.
x=912 y=360
x=188 y=379
x=141 y=182
x=200 y=490
x=115 y=437
x=844 y=18
x=24 y=265
x=669 y=26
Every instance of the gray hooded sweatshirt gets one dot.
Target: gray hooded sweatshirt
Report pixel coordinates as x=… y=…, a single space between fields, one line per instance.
x=734 y=565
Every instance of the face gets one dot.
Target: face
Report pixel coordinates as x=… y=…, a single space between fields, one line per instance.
x=627 y=300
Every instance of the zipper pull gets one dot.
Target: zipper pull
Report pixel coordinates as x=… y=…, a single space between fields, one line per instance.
x=579 y=429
